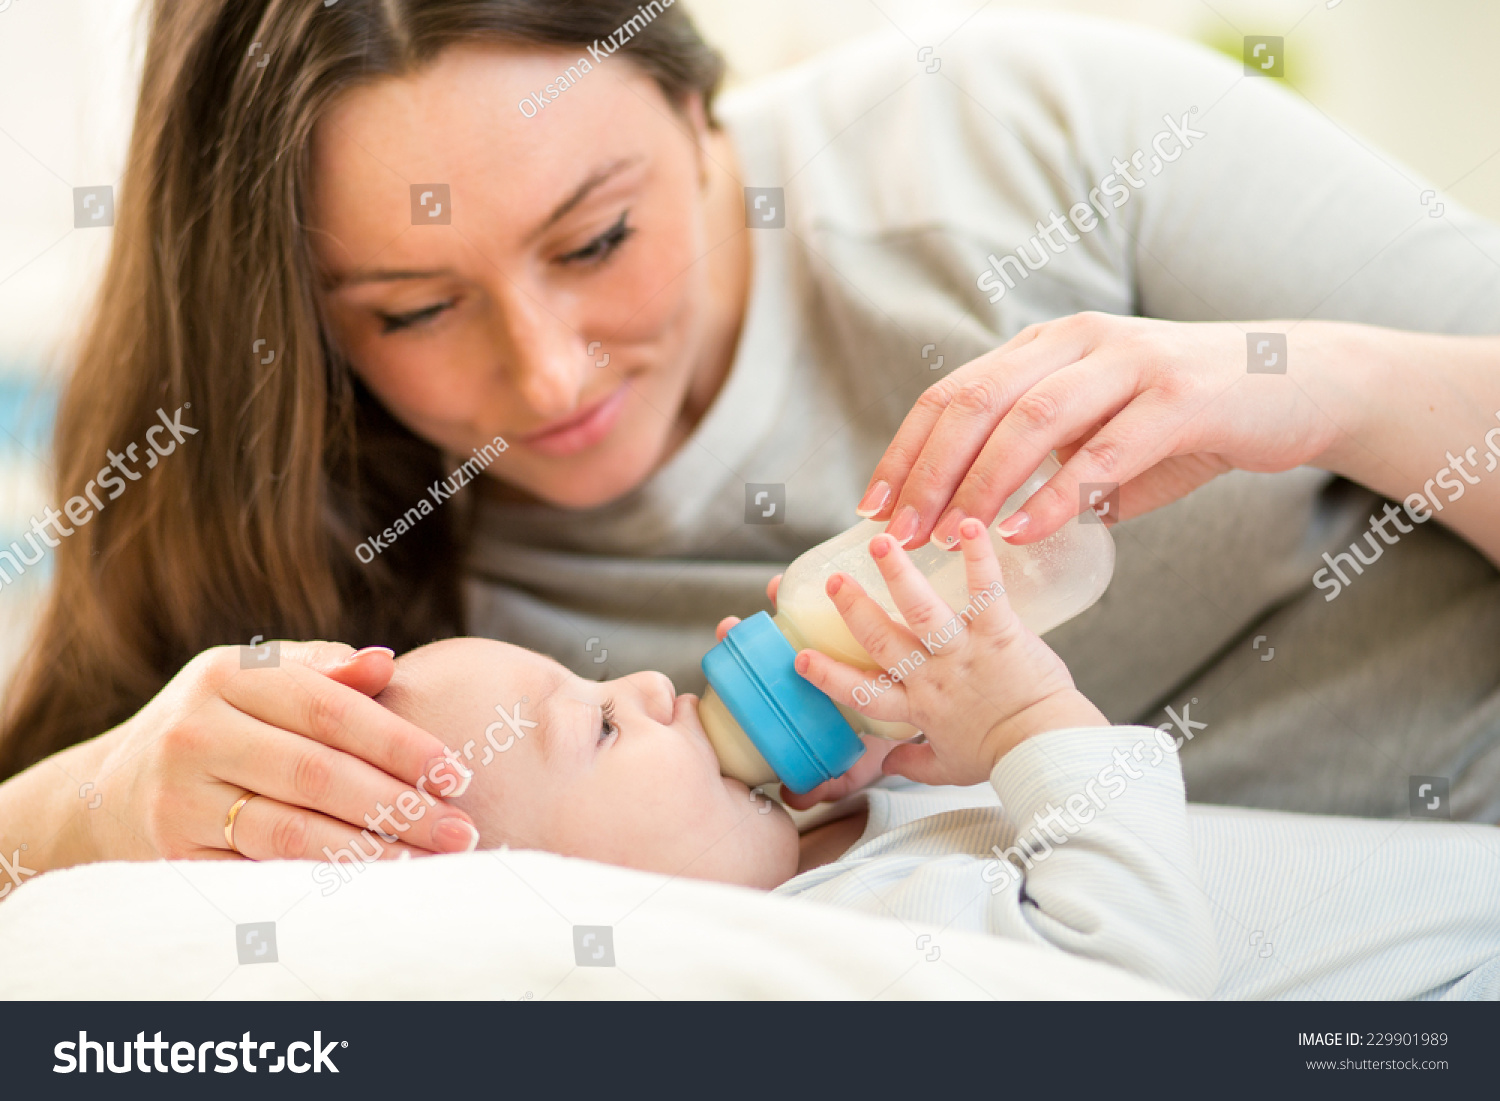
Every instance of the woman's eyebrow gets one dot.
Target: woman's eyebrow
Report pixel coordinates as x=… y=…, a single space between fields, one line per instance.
x=381 y=275
x=581 y=192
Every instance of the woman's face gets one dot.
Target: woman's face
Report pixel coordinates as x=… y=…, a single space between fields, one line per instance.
x=577 y=235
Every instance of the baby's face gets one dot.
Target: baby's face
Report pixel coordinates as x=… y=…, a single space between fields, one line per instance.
x=617 y=771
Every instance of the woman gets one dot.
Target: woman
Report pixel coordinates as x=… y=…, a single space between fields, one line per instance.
x=411 y=243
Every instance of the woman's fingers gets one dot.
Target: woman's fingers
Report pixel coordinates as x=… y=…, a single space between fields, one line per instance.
x=900 y=457
x=1022 y=338
x=1061 y=408
x=367 y=671
x=946 y=430
x=294 y=697
x=301 y=772
x=1135 y=440
x=267 y=829
x=315 y=654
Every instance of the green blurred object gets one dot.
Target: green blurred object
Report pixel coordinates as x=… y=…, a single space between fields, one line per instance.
x=1297 y=72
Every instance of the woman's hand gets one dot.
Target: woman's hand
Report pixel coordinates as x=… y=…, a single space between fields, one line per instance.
x=975 y=681
x=322 y=757
x=1155 y=407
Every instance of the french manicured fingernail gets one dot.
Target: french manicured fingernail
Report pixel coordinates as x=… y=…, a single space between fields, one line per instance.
x=454 y=835
x=946 y=533
x=371 y=650
x=874 y=500
x=436 y=776
x=1013 y=525
x=905 y=525
x=835 y=583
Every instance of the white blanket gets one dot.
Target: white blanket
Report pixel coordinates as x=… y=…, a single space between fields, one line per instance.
x=496 y=925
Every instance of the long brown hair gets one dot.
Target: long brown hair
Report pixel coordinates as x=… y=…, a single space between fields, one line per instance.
x=250 y=528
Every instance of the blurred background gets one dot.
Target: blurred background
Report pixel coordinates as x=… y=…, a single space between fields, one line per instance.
x=1414 y=79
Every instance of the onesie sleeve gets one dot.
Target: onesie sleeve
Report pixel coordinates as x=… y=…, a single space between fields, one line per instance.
x=1096 y=858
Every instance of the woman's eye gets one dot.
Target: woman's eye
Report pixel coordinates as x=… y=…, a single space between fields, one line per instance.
x=607 y=724
x=601 y=247
x=394 y=322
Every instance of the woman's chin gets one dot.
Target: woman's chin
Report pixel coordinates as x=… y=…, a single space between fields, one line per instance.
x=591 y=481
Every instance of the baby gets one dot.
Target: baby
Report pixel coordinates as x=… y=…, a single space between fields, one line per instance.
x=1023 y=813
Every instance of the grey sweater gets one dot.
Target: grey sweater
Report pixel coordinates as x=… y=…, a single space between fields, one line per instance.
x=909 y=197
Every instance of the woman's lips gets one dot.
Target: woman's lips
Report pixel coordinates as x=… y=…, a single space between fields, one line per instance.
x=580 y=431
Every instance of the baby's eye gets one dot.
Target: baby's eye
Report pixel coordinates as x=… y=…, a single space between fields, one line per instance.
x=607 y=724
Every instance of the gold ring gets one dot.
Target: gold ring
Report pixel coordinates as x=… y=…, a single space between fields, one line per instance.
x=234 y=812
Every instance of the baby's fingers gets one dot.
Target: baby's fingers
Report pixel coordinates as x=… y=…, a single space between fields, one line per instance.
x=920 y=606
x=886 y=641
x=982 y=570
x=916 y=761
x=860 y=774
x=872 y=694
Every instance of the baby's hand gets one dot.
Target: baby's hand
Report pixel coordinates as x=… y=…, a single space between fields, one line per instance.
x=976 y=696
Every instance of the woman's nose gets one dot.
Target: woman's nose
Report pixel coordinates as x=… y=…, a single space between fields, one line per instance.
x=546 y=357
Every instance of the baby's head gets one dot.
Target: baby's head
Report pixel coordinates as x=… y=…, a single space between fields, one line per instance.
x=617 y=771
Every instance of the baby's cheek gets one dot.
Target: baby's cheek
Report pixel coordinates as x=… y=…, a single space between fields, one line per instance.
x=502 y=805
x=486 y=813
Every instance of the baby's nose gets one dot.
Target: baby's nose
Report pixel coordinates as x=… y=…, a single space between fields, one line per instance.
x=662 y=696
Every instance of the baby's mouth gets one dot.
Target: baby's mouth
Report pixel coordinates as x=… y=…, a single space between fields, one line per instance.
x=685 y=713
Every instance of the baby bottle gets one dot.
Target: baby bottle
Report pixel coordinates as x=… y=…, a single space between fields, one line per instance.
x=766 y=722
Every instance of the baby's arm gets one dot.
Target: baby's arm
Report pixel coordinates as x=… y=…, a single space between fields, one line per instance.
x=1097 y=859
x=1109 y=872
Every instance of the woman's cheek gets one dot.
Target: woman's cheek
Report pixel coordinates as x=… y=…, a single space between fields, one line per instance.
x=649 y=291
x=425 y=386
